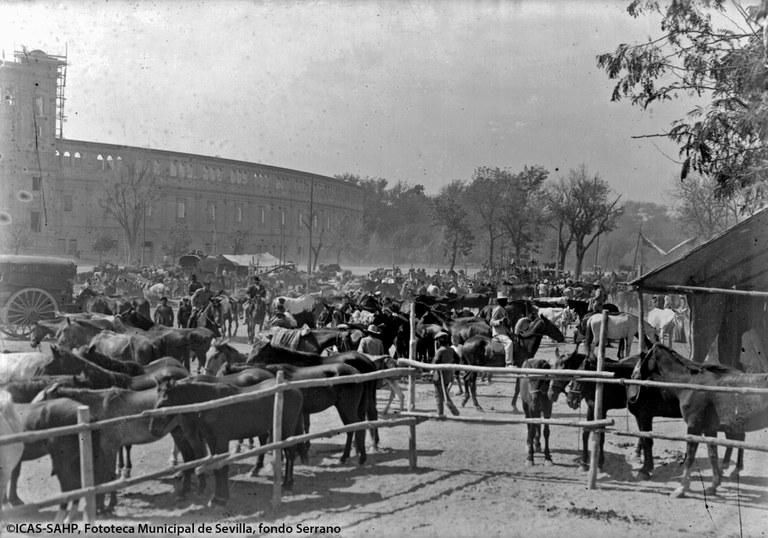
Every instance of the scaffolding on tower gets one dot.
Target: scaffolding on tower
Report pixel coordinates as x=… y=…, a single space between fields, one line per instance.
x=61 y=83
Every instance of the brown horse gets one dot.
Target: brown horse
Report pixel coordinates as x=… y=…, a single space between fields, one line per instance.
x=534 y=393
x=705 y=413
x=220 y=425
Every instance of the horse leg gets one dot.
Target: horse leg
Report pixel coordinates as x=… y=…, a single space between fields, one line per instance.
x=645 y=424
x=514 y=396
x=120 y=462
x=547 y=455
x=13 y=496
x=685 y=481
x=263 y=440
x=126 y=472
x=467 y=391
x=713 y=462
x=584 y=463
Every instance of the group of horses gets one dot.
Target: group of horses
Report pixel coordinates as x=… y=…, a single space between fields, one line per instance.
x=122 y=365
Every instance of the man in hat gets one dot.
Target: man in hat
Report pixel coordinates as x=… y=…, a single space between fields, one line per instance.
x=164 y=313
x=445 y=354
x=256 y=290
x=200 y=299
x=282 y=318
x=194 y=285
x=184 y=313
x=500 y=327
x=371 y=344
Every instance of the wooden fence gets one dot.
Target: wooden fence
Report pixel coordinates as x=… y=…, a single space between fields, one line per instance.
x=409 y=367
x=83 y=429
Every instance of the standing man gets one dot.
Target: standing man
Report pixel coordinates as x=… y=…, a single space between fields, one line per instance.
x=200 y=299
x=445 y=354
x=184 y=313
x=164 y=313
x=500 y=327
x=372 y=344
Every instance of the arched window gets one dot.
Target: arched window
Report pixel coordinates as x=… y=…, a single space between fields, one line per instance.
x=77 y=159
x=110 y=162
x=67 y=159
x=100 y=161
x=172 y=171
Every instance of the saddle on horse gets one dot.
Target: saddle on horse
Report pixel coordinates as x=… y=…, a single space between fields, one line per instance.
x=288 y=338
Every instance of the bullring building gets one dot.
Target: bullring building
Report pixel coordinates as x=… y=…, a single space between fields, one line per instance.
x=53 y=190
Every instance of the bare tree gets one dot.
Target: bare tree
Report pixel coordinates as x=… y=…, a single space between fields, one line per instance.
x=584 y=205
x=17 y=238
x=104 y=243
x=484 y=194
x=449 y=215
x=522 y=215
x=178 y=241
x=129 y=189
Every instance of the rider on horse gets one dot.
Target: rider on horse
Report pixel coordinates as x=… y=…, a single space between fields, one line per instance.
x=500 y=327
x=200 y=299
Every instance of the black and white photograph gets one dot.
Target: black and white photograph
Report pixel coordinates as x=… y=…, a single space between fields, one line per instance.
x=384 y=268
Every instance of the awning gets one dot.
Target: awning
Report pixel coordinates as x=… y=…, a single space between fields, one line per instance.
x=262 y=259
x=737 y=259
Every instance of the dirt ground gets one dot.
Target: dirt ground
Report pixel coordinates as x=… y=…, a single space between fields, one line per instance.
x=471 y=480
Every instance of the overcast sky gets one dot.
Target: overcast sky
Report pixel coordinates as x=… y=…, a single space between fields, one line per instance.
x=418 y=91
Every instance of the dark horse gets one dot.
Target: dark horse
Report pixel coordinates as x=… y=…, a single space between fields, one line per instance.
x=484 y=351
x=534 y=393
x=264 y=354
x=705 y=413
x=235 y=421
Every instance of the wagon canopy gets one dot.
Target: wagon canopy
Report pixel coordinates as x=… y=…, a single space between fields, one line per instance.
x=726 y=283
x=262 y=259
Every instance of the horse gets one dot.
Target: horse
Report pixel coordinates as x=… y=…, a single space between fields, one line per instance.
x=255 y=314
x=208 y=317
x=63 y=450
x=10 y=454
x=297 y=305
x=622 y=327
x=534 y=395
x=483 y=351
x=706 y=413
x=264 y=354
x=16 y=366
x=220 y=425
x=124 y=347
x=663 y=322
x=112 y=403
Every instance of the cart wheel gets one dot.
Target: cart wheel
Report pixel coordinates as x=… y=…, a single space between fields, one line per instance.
x=25 y=308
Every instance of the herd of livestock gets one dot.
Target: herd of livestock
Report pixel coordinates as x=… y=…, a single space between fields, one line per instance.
x=124 y=364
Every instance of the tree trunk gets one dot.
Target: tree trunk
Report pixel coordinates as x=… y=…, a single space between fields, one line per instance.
x=580 y=252
x=454 y=253
x=491 y=240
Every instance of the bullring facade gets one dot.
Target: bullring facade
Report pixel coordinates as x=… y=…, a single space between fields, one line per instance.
x=51 y=188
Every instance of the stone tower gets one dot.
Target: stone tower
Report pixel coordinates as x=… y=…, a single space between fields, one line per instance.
x=28 y=161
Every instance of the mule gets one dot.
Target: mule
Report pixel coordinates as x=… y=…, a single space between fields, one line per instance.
x=255 y=313
x=124 y=347
x=220 y=425
x=534 y=395
x=706 y=413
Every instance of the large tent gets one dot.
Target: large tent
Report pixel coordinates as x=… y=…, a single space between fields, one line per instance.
x=726 y=283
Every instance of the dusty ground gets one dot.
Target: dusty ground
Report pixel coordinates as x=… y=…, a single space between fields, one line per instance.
x=471 y=481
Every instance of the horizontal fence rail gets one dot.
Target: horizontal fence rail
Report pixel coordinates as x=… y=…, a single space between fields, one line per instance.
x=732 y=443
x=510 y=371
x=39 y=435
x=515 y=420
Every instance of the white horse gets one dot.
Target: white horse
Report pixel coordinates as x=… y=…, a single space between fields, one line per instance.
x=18 y=366
x=557 y=315
x=622 y=327
x=10 y=454
x=154 y=292
x=663 y=320
x=297 y=305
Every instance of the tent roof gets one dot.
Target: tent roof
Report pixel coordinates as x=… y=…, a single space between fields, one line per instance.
x=263 y=259
x=737 y=259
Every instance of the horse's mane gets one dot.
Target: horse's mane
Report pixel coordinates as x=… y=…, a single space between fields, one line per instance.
x=691 y=366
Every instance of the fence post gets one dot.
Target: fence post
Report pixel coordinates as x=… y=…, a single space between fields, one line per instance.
x=86 y=463
x=412 y=389
x=277 y=436
x=596 y=433
x=641 y=320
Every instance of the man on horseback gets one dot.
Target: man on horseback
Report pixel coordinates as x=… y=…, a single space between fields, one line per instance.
x=194 y=285
x=282 y=318
x=200 y=299
x=500 y=327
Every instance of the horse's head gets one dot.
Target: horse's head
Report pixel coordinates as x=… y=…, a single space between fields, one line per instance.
x=543 y=326
x=167 y=396
x=564 y=362
x=646 y=366
x=218 y=355
x=48 y=393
